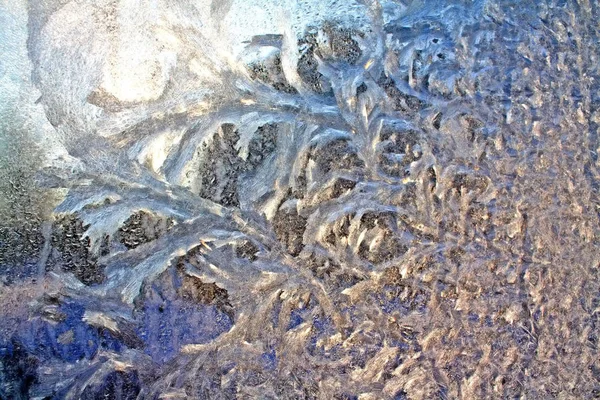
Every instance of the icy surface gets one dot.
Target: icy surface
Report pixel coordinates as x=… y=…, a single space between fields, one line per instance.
x=236 y=199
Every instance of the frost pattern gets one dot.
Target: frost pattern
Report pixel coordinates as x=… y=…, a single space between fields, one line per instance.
x=399 y=205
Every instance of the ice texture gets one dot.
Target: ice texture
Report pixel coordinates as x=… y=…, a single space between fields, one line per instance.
x=308 y=199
